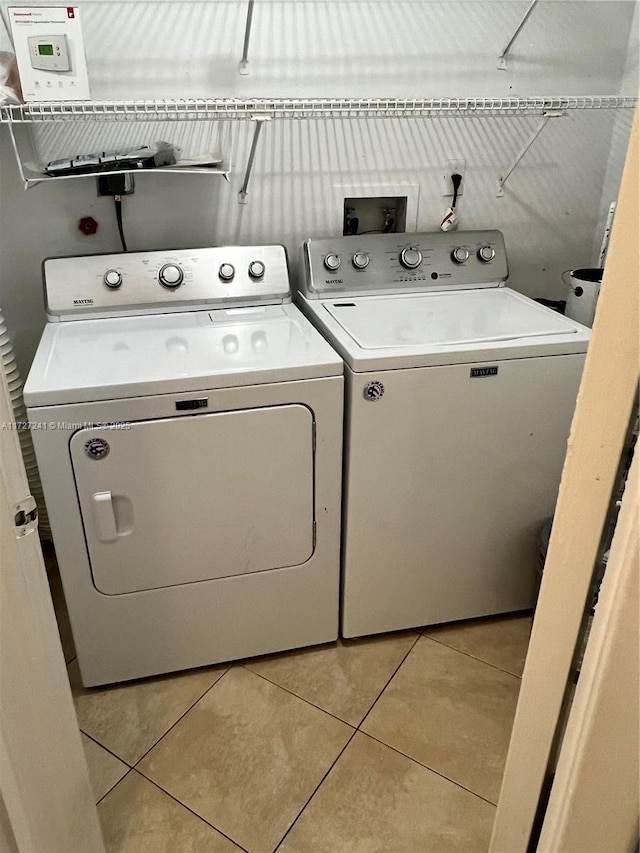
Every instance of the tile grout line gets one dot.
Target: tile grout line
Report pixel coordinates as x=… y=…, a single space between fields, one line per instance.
x=184 y=805
x=319 y=707
x=430 y=769
x=473 y=657
x=389 y=680
x=129 y=770
x=315 y=790
x=173 y=725
x=106 y=749
x=302 y=699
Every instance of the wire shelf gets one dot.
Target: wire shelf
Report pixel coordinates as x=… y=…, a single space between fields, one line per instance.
x=207 y=109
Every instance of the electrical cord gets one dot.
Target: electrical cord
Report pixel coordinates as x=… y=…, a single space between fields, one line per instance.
x=456 y=180
x=117 y=199
x=450 y=220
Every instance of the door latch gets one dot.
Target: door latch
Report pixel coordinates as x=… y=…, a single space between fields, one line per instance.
x=25 y=517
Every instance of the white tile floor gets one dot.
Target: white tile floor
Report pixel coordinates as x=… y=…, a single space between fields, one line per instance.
x=389 y=744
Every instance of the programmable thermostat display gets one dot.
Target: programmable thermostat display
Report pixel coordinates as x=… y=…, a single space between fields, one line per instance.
x=49 y=53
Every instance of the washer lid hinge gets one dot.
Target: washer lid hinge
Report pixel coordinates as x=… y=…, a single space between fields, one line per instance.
x=25 y=515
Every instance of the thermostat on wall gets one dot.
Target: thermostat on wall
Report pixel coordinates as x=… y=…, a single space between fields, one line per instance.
x=49 y=53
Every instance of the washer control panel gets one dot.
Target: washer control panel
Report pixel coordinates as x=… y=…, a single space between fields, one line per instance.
x=161 y=282
x=404 y=263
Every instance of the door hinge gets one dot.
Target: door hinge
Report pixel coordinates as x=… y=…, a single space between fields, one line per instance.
x=25 y=516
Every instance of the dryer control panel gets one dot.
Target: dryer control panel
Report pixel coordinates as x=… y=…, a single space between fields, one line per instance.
x=162 y=282
x=404 y=263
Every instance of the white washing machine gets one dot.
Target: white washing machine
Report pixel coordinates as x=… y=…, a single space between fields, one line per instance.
x=459 y=399
x=187 y=421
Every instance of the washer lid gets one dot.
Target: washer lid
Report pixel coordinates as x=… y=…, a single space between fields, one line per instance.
x=446 y=328
x=111 y=359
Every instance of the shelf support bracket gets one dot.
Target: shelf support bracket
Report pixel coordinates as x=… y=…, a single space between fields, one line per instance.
x=502 y=59
x=243 y=68
x=536 y=133
x=259 y=120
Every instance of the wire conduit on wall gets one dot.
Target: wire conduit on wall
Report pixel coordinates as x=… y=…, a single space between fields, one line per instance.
x=14 y=381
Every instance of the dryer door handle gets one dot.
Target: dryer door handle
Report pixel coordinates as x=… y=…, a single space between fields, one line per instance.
x=104 y=517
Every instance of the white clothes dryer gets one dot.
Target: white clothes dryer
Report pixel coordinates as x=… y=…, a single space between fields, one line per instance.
x=459 y=398
x=187 y=421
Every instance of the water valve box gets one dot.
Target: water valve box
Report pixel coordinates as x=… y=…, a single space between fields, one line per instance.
x=50 y=53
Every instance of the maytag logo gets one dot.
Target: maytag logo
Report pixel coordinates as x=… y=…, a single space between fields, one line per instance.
x=333 y=281
x=484 y=371
x=83 y=301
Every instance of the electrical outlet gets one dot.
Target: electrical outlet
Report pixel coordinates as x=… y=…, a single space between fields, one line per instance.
x=453 y=167
x=116 y=183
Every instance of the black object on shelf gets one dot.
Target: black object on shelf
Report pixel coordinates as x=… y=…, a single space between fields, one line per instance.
x=555 y=304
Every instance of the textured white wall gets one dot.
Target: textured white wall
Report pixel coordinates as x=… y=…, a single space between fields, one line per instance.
x=554 y=204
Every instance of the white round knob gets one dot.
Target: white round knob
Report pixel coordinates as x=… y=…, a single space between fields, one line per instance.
x=360 y=260
x=411 y=258
x=332 y=262
x=226 y=272
x=460 y=255
x=256 y=269
x=112 y=278
x=486 y=254
x=170 y=275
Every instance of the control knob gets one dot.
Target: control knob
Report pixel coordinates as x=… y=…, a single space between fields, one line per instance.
x=332 y=262
x=170 y=276
x=460 y=255
x=486 y=254
x=226 y=272
x=410 y=258
x=256 y=269
x=360 y=260
x=112 y=278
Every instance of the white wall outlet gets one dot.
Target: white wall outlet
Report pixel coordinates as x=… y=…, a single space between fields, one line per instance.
x=453 y=167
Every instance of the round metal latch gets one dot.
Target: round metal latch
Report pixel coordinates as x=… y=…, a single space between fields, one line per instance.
x=97 y=448
x=373 y=390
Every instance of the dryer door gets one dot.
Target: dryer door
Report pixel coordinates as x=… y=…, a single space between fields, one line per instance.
x=186 y=499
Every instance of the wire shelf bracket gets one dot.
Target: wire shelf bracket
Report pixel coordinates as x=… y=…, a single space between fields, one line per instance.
x=242 y=195
x=243 y=67
x=536 y=133
x=502 y=59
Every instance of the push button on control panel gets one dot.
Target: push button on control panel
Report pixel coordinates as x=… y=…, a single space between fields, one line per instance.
x=112 y=278
x=410 y=258
x=226 y=272
x=332 y=262
x=486 y=254
x=256 y=269
x=170 y=276
x=460 y=255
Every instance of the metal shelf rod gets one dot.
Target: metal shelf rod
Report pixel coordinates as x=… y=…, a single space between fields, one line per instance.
x=536 y=133
x=244 y=62
x=242 y=195
x=502 y=59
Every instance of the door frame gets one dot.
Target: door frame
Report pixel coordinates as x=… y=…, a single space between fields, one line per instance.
x=600 y=425
x=46 y=800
